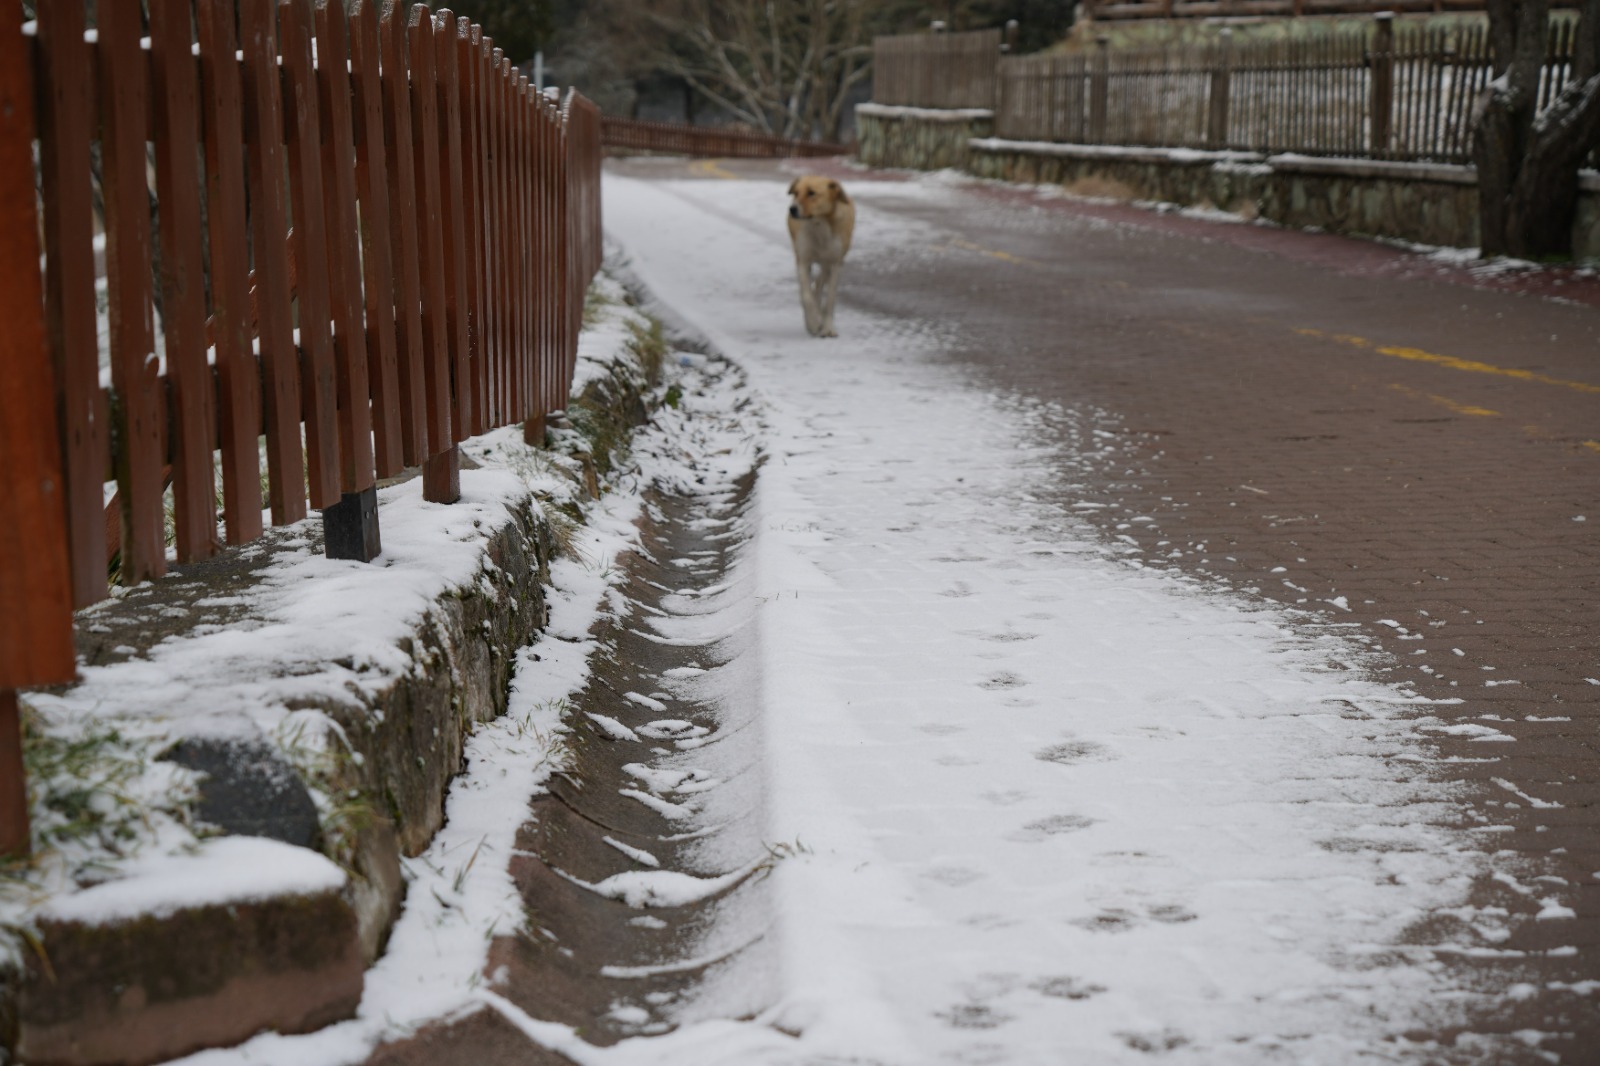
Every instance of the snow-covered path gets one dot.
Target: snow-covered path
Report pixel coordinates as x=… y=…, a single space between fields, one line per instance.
x=1041 y=805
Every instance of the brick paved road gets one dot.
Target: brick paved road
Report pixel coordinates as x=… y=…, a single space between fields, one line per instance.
x=1341 y=426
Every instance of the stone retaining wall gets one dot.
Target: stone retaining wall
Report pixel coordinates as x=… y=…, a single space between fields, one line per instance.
x=1422 y=202
x=152 y=987
x=917 y=138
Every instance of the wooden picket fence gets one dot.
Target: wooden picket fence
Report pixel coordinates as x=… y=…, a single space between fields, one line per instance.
x=348 y=239
x=1118 y=10
x=676 y=138
x=1382 y=91
x=944 y=70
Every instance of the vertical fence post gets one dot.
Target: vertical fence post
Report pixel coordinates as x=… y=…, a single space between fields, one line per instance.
x=66 y=130
x=1382 y=61
x=1221 y=78
x=35 y=580
x=1099 y=84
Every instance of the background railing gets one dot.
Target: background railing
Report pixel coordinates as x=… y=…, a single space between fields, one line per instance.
x=1379 y=90
x=273 y=234
x=951 y=70
x=1115 y=10
x=637 y=135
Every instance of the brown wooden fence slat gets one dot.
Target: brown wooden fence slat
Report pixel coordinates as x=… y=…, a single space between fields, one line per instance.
x=35 y=573
x=430 y=220
x=308 y=245
x=489 y=112
x=453 y=200
x=176 y=97
x=399 y=151
x=498 y=225
x=554 y=248
x=520 y=255
x=554 y=275
x=568 y=344
x=141 y=410
x=356 y=472
x=238 y=378
x=65 y=130
x=550 y=398
x=469 y=40
x=377 y=250
x=269 y=231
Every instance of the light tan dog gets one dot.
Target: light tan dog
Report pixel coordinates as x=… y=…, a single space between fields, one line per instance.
x=821 y=222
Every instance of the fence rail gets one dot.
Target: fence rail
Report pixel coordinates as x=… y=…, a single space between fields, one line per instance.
x=342 y=239
x=1117 y=10
x=676 y=138
x=1382 y=91
x=949 y=70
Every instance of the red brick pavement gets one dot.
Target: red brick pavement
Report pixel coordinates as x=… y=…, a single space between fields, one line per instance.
x=1261 y=425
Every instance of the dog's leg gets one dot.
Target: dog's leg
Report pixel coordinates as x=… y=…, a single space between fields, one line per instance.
x=808 y=298
x=827 y=296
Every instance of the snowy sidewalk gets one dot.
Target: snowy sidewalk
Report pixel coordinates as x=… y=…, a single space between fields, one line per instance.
x=1045 y=806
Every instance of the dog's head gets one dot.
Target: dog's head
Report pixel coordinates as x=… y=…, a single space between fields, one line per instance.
x=815 y=197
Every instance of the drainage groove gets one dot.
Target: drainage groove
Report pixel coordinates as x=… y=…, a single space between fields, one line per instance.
x=641 y=870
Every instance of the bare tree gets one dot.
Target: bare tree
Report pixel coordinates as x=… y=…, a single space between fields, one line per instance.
x=1528 y=160
x=783 y=66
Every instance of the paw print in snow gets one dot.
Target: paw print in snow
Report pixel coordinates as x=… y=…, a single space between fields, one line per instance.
x=1074 y=751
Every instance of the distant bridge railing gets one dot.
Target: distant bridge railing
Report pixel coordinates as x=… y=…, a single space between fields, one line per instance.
x=675 y=138
x=342 y=241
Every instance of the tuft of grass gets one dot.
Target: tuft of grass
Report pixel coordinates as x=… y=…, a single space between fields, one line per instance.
x=649 y=344
x=81 y=786
x=326 y=763
x=594 y=304
x=563 y=529
x=779 y=852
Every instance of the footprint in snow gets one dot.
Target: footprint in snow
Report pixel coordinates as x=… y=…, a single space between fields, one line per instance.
x=1008 y=636
x=1071 y=751
x=1065 y=987
x=1113 y=920
x=1172 y=914
x=1054 y=825
x=954 y=876
x=1005 y=797
x=972 y=1016
x=1001 y=681
x=1162 y=1040
x=940 y=729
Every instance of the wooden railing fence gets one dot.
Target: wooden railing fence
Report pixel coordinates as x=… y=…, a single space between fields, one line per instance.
x=637 y=135
x=948 y=70
x=1384 y=91
x=1380 y=91
x=367 y=238
x=1117 y=10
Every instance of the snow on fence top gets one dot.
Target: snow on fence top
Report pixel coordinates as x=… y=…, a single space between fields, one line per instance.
x=361 y=238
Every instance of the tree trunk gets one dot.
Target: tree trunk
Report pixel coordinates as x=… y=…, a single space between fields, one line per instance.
x=1527 y=161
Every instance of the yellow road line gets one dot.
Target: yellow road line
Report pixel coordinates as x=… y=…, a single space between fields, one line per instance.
x=981 y=250
x=712 y=168
x=1446 y=402
x=1454 y=363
